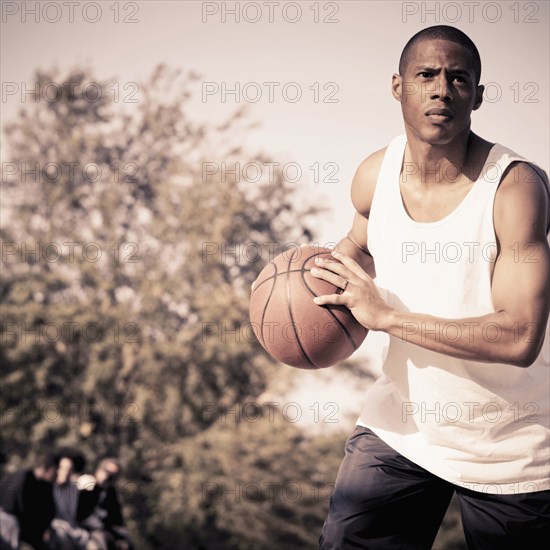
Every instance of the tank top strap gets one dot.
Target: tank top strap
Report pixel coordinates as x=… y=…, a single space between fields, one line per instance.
x=387 y=190
x=495 y=168
x=496 y=164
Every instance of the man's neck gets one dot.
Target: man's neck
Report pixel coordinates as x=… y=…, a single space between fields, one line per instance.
x=428 y=164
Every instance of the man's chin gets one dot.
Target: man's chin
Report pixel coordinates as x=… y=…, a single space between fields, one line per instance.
x=437 y=135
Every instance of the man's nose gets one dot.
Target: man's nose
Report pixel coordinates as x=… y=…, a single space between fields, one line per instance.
x=442 y=89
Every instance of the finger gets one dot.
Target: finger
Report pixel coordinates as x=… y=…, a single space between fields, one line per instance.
x=350 y=263
x=330 y=299
x=329 y=276
x=335 y=266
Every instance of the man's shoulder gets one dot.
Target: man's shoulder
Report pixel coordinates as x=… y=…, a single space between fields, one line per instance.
x=523 y=192
x=519 y=168
x=520 y=179
x=523 y=173
x=18 y=476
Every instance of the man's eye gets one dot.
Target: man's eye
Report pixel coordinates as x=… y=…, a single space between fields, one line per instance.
x=425 y=74
x=459 y=79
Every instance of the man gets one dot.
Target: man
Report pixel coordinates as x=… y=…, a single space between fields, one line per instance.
x=67 y=534
x=27 y=505
x=455 y=230
x=99 y=494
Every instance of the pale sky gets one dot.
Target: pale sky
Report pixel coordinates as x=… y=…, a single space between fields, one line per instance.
x=353 y=58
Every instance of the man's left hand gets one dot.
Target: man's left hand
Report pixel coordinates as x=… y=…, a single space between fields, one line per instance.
x=360 y=294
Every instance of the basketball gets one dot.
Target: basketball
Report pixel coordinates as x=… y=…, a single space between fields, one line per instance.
x=289 y=325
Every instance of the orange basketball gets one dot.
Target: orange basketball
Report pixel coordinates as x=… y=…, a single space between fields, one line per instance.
x=289 y=325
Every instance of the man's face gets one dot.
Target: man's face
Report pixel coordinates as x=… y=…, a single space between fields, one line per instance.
x=107 y=474
x=438 y=91
x=64 y=471
x=50 y=474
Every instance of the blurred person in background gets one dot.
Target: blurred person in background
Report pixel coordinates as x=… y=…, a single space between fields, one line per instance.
x=27 y=504
x=106 y=522
x=69 y=507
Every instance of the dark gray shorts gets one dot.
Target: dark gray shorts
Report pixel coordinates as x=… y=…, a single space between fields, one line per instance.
x=382 y=500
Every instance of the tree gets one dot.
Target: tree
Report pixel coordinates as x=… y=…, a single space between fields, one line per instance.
x=116 y=297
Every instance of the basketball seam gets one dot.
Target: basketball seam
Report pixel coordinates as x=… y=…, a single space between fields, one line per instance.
x=267 y=303
x=307 y=358
x=342 y=326
x=274 y=276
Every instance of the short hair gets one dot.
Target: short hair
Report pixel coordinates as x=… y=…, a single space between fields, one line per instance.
x=46 y=460
x=441 y=32
x=78 y=458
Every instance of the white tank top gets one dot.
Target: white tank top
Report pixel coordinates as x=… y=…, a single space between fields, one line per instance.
x=484 y=426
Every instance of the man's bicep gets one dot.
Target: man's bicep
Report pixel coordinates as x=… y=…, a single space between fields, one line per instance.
x=522 y=271
x=520 y=282
x=355 y=243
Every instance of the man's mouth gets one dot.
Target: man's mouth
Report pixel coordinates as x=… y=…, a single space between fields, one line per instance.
x=440 y=114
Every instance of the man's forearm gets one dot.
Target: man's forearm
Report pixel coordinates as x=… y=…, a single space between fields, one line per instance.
x=492 y=338
x=348 y=246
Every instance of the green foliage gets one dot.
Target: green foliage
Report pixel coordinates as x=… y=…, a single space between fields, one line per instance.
x=245 y=485
x=103 y=341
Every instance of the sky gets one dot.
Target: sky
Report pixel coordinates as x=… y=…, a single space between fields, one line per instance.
x=315 y=75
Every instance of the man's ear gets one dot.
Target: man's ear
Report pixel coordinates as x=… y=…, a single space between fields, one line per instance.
x=397 y=86
x=479 y=97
